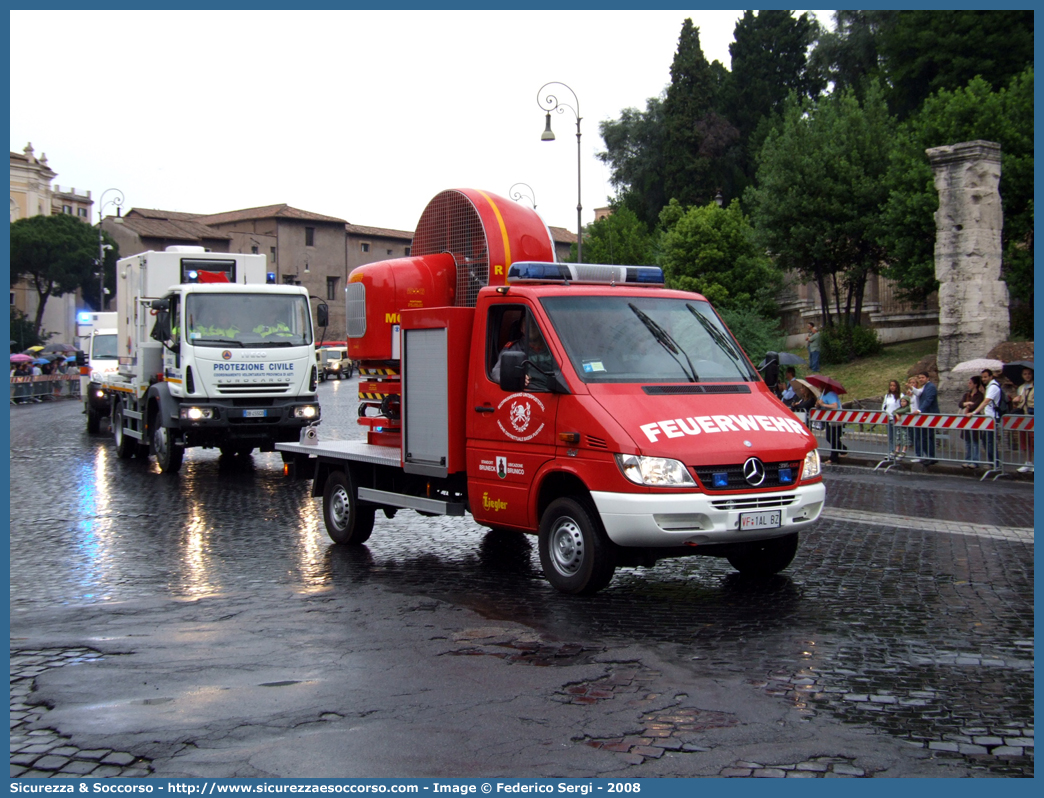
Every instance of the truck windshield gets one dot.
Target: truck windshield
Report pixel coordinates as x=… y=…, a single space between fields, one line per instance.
x=103 y=347
x=247 y=320
x=646 y=339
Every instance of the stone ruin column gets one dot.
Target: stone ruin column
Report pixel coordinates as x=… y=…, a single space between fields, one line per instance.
x=973 y=300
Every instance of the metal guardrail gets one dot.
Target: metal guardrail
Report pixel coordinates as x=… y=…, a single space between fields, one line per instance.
x=975 y=442
x=44 y=387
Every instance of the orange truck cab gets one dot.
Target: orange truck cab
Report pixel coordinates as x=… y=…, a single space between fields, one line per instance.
x=617 y=420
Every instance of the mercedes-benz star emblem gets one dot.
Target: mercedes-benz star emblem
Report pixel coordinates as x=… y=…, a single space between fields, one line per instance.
x=754 y=471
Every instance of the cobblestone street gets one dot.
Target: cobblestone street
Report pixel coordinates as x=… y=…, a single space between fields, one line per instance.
x=203 y=625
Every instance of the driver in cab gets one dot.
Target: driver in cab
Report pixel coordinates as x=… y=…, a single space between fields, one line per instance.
x=526 y=337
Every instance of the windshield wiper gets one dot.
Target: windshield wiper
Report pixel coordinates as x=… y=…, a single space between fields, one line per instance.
x=216 y=341
x=663 y=338
x=719 y=338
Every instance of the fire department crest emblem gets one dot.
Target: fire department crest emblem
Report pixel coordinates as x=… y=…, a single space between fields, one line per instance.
x=520 y=415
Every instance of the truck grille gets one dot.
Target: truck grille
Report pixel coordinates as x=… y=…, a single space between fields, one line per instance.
x=736 y=480
x=754 y=502
x=269 y=388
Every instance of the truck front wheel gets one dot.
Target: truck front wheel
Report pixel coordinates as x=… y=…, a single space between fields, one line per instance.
x=93 y=420
x=575 y=554
x=765 y=557
x=168 y=454
x=347 y=522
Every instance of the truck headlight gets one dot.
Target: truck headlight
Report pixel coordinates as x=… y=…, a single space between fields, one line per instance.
x=335 y=366
x=306 y=411
x=197 y=413
x=657 y=472
x=811 y=468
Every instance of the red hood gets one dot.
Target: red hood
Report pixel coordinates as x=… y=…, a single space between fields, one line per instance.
x=706 y=428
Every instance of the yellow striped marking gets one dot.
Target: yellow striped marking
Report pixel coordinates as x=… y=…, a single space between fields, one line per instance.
x=503 y=227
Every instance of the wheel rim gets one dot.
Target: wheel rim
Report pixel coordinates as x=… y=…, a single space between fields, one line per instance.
x=567 y=547
x=162 y=442
x=340 y=504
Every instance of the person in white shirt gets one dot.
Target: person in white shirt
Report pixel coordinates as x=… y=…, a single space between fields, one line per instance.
x=893 y=400
x=989 y=408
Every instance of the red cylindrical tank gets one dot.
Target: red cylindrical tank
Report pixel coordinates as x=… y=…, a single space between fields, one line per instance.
x=388 y=287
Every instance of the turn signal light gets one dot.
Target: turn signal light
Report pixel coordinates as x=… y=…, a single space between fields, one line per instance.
x=569 y=437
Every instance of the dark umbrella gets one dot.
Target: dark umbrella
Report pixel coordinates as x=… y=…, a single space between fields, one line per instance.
x=826 y=383
x=1013 y=370
x=60 y=348
x=783 y=359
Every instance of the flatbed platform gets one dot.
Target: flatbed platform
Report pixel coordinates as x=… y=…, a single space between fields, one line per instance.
x=357 y=451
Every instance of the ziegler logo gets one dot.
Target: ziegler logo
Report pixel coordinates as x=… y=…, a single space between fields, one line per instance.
x=520 y=415
x=496 y=505
x=226 y=355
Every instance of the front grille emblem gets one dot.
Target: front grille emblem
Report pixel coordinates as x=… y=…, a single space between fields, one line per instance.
x=754 y=471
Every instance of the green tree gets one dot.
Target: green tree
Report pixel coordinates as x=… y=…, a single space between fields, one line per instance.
x=923 y=52
x=634 y=155
x=974 y=112
x=819 y=193
x=620 y=238
x=23 y=335
x=769 y=58
x=56 y=255
x=696 y=137
x=712 y=251
x=847 y=56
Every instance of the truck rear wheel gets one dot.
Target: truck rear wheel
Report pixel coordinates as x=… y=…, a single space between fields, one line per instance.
x=168 y=454
x=347 y=522
x=576 y=556
x=126 y=446
x=765 y=557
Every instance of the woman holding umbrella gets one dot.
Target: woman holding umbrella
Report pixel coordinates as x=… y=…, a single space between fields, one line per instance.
x=829 y=400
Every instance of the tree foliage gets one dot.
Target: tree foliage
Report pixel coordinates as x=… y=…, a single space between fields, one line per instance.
x=924 y=52
x=712 y=251
x=973 y=112
x=696 y=137
x=819 y=193
x=634 y=154
x=56 y=255
x=620 y=237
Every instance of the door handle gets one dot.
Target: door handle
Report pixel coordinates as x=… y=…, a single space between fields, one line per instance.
x=484 y=408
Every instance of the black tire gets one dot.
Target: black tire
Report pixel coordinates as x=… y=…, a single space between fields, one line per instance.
x=347 y=522
x=168 y=454
x=230 y=450
x=351 y=371
x=765 y=557
x=126 y=446
x=93 y=421
x=575 y=553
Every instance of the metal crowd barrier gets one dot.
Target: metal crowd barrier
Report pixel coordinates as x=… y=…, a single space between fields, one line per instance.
x=973 y=441
x=44 y=386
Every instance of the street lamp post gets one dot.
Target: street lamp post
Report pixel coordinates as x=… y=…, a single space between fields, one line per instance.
x=550 y=103
x=518 y=195
x=102 y=204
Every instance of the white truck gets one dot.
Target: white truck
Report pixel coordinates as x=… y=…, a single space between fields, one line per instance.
x=96 y=334
x=210 y=354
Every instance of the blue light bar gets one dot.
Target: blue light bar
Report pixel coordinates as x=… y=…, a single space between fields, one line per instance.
x=591 y=273
x=84 y=317
x=721 y=479
x=786 y=475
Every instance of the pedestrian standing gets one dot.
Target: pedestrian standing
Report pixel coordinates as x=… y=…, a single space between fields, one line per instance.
x=927 y=402
x=1023 y=403
x=892 y=401
x=972 y=399
x=989 y=407
x=828 y=400
x=812 y=340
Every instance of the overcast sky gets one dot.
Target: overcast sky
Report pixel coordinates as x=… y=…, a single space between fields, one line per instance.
x=356 y=114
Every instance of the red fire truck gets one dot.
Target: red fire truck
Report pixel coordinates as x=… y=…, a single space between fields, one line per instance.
x=616 y=419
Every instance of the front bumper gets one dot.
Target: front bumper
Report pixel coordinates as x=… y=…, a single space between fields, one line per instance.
x=678 y=519
x=262 y=420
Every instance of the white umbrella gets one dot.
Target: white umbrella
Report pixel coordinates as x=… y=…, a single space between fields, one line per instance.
x=815 y=391
x=977 y=365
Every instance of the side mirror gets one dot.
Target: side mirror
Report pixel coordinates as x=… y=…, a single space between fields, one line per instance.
x=160 y=305
x=322 y=315
x=512 y=371
x=81 y=358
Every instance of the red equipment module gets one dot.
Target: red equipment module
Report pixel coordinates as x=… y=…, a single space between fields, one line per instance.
x=466 y=239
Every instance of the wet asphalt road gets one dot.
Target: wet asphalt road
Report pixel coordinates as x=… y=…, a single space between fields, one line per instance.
x=916 y=632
